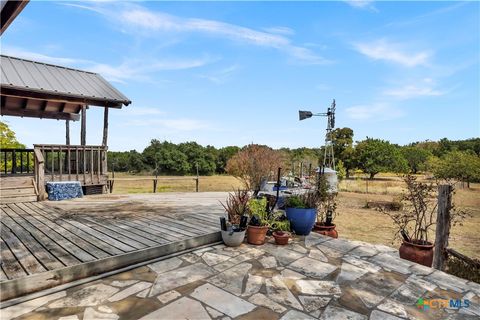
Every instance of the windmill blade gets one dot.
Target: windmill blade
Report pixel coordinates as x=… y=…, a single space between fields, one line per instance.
x=332 y=120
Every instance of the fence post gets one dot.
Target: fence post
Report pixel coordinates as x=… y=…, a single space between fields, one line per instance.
x=442 y=233
x=196 y=180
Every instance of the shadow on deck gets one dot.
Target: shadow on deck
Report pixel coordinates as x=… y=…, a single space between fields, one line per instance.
x=45 y=244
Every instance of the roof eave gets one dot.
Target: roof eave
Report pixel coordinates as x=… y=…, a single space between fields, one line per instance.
x=61 y=96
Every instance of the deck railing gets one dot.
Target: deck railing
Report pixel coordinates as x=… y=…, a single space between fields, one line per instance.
x=87 y=164
x=15 y=161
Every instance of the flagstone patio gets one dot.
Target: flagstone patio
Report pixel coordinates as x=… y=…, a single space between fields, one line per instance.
x=312 y=278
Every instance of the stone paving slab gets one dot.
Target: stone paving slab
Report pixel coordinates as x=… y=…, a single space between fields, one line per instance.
x=314 y=277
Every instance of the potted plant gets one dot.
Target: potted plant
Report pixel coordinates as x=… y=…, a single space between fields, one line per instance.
x=236 y=207
x=415 y=220
x=259 y=224
x=302 y=211
x=280 y=226
x=281 y=237
x=325 y=216
x=327 y=209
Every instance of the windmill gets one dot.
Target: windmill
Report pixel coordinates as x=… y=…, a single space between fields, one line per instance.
x=328 y=156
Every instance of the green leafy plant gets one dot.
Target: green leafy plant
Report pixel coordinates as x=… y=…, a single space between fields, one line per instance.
x=279 y=222
x=258 y=211
x=308 y=200
x=236 y=205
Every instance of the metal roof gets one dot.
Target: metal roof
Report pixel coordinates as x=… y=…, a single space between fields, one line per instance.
x=26 y=76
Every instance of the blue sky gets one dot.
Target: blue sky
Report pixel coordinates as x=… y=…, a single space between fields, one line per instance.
x=232 y=73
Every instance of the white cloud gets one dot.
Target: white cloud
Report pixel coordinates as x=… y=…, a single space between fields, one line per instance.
x=29 y=55
x=139 y=70
x=182 y=124
x=392 y=52
x=129 y=69
x=376 y=112
x=222 y=75
x=280 y=30
x=141 y=111
x=152 y=23
x=412 y=91
x=361 y=4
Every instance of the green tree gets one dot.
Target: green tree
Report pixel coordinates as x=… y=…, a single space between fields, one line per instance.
x=375 y=156
x=135 y=162
x=198 y=155
x=8 y=138
x=223 y=155
x=416 y=158
x=166 y=157
x=342 y=139
x=462 y=166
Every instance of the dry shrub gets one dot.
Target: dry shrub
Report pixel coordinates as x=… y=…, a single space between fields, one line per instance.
x=253 y=164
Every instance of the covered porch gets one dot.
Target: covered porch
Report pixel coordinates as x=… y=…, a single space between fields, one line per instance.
x=45 y=91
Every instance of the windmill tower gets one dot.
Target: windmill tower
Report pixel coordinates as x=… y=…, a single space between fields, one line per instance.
x=329 y=156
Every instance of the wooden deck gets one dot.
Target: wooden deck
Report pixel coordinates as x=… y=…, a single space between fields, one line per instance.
x=44 y=244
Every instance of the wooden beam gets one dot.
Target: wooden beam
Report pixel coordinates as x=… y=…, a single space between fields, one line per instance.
x=105 y=127
x=39 y=94
x=83 y=129
x=67 y=132
x=10 y=10
x=39 y=114
x=62 y=108
x=44 y=105
x=25 y=104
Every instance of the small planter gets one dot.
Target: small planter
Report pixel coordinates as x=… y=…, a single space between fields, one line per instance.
x=418 y=252
x=301 y=220
x=256 y=235
x=325 y=230
x=281 y=237
x=233 y=238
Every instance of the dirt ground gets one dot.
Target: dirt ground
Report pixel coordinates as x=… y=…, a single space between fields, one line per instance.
x=354 y=221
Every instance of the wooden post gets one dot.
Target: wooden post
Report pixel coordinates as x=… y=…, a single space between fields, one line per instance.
x=196 y=181
x=40 y=174
x=105 y=127
x=155 y=181
x=83 y=129
x=443 y=226
x=67 y=132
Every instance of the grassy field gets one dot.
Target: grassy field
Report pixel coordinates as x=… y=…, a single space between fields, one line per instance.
x=354 y=220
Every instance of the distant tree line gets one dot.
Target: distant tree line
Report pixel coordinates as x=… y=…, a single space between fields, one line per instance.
x=446 y=159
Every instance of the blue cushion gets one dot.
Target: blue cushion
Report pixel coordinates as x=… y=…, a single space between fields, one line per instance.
x=64 y=190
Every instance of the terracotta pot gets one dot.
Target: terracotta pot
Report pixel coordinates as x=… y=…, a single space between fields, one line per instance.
x=325 y=230
x=281 y=238
x=418 y=252
x=256 y=235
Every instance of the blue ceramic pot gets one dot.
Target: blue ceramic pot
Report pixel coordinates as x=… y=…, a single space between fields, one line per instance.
x=301 y=220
